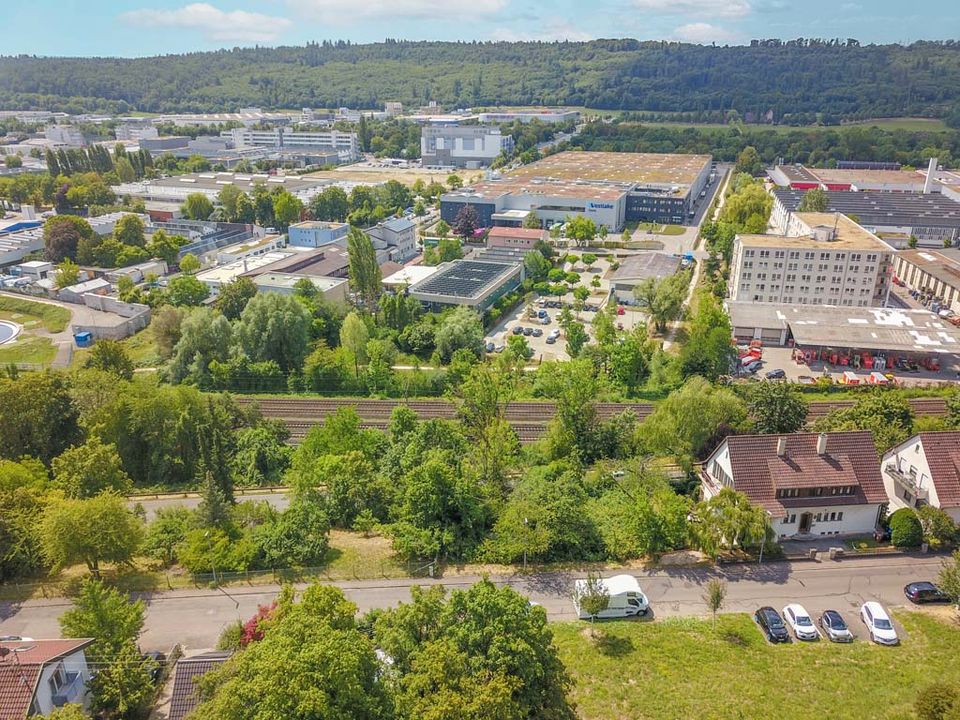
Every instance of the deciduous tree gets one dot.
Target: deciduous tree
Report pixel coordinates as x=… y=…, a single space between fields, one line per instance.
x=87 y=470
x=92 y=531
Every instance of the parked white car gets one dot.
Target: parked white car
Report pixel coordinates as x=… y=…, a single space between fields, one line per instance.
x=878 y=624
x=800 y=622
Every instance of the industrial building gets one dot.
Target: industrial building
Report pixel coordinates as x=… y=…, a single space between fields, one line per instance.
x=823 y=259
x=345 y=144
x=799 y=177
x=933 y=219
x=636 y=269
x=176 y=189
x=868 y=337
x=327 y=261
x=69 y=135
x=934 y=275
x=316 y=233
x=472 y=283
x=609 y=188
x=463 y=146
x=334 y=289
x=550 y=116
x=136 y=132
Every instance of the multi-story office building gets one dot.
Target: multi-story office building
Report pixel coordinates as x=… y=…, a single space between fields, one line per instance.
x=66 y=134
x=544 y=115
x=317 y=233
x=823 y=259
x=466 y=146
x=136 y=133
x=345 y=143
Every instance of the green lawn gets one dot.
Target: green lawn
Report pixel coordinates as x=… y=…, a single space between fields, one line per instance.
x=28 y=350
x=28 y=313
x=908 y=124
x=142 y=349
x=685 y=669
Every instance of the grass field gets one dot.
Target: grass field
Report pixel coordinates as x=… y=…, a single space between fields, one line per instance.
x=685 y=669
x=142 y=349
x=30 y=314
x=908 y=124
x=28 y=350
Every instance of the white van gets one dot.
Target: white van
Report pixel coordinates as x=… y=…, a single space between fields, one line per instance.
x=626 y=597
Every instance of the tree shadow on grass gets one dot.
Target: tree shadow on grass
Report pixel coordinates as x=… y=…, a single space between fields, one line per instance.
x=613 y=645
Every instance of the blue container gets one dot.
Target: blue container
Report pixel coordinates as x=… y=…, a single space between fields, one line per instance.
x=83 y=339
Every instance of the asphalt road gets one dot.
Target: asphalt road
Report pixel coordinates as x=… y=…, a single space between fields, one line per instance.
x=279 y=500
x=195 y=618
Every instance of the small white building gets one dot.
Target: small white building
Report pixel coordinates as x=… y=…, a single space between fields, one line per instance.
x=924 y=470
x=809 y=484
x=75 y=293
x=397 y=237
x=250 y=248
x=38 y=676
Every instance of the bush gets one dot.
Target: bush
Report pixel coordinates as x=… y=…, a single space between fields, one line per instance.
x=231 y=636
x=936 y=701
x=905 y=529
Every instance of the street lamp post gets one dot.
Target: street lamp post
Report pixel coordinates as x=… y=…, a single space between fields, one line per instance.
x=526 y=525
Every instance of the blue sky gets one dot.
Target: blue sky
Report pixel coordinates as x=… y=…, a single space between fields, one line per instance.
x=150 y=27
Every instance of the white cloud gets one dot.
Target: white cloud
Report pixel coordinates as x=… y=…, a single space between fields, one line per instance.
x=216 y=24
x=556 y=30
x=345 y=12
x=704 y=34
x=701 y=8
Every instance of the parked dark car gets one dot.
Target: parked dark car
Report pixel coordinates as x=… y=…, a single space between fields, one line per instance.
x=517 y=330
x=835 y=627
x=158 y=659
x=772 y=624
x=528 y=331
x=777 y=374
x=925 y=592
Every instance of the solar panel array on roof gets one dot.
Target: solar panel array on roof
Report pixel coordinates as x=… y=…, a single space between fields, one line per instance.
x=885 y=208
x=464 y=278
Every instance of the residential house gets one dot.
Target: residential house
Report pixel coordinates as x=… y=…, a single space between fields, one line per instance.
x=924 y=470
x=809 y=484
x=37 y=676
x=184 y=697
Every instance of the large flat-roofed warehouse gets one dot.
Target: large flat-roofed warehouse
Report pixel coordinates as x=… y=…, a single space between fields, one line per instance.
x=933 y=219
x=474 y=283
x=799 y=177
x=933 y=275
x=845 y=336
x=610 y=188
x=210 y=184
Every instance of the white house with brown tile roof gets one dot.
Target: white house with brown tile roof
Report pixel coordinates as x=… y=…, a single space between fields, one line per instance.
x=37 y=676
x=924 y=470
x=809 y=484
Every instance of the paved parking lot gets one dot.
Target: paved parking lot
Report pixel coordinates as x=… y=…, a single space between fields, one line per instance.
x=781 y=358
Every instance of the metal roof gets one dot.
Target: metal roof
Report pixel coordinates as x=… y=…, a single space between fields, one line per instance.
x=900 y=209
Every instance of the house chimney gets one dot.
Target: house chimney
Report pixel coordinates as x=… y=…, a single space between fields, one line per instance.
x=782 y=446
x=931 y=171
x=822 y=444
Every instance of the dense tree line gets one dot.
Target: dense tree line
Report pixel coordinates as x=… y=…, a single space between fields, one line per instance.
x=805 y=76
x=814 y=147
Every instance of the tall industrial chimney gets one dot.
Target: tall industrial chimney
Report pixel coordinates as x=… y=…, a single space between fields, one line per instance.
x=931 y=171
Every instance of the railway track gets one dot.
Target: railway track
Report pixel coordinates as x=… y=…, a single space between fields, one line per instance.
x=528 y=418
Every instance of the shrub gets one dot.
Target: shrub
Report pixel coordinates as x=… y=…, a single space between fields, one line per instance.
x=936 y=701
x=905 y=529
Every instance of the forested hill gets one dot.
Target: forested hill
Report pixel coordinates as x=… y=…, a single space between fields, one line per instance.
x=798 y=77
